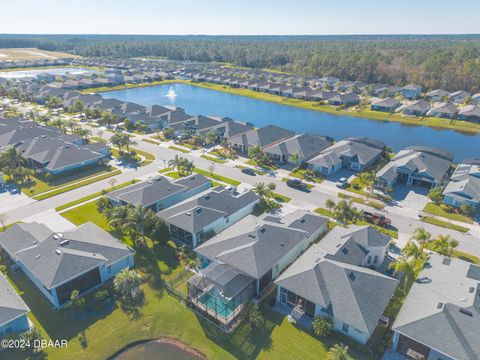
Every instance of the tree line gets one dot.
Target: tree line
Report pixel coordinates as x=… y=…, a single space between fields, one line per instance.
x=451 y=62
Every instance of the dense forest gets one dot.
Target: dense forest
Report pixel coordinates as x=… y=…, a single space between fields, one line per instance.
x=451 y=62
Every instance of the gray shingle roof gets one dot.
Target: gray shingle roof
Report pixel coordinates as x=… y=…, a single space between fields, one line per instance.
x=195 y=214
x=305 y=146
x=11 y=304
x=255 y=252
x=442 y=308
x=265 y=136
x=151 y=191
x=53 y=263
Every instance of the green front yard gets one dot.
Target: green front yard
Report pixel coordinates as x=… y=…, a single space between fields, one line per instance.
x=444 y=224
x=163 y=315
x=176 y=148
x=358 y=200
x=214 y=159
x=433 y=209
x=305 y=175
x=148 y=157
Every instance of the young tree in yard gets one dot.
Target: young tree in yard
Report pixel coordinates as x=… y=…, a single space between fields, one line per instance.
x=77 y=303
x=339 y=352
x=368 y=180
x=211 y=137
x=406 y=266
x=253 y=316
x=117 y=140
x=112 y=182
x=186 y=166
x=175 y=163
x=137 y=222
x=262 y=190
x=85 y=134
x=411 y=250
x=436 y=195
x=102 y=204
x=467 y=210
x=421 y=236
x=255 y=153
x=330 y=205
x=294 y=158
x=168 y=133
x=322 y=326
x=127 y=283
x=211 y=168
x=127 y=142
x=444 y=245
x=54 y=102
x=345 y=213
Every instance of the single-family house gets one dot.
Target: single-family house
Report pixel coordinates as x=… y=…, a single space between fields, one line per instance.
x=443 y=110
x=440 y=317
x=160 y=192
x=438 y=95
x=337 y=279
x=303 y=147
x=416 y=165
x=263 y=137
x=242 y=262
x=195 y=220
x=464 y=185
x=13 y=310
x=411 y=91
x=476 y=99
x=417 y=108
x=346 y=99
x=386 y=105
x=459 y=97
x=353 y=153
x=58 y=263
x=469 y=112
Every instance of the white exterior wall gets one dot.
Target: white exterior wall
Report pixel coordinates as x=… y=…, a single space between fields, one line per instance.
x=375 y=251
x=295 y=253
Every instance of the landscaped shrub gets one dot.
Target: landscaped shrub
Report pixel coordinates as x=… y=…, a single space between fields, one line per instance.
x=322 y=326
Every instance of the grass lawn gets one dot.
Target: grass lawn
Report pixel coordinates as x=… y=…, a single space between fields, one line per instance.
x=164 y=170
x=89 y=181
x=263 y=166
x=43 y=185
x=151 y=141
x=281 y=198
x=217 y=177
x=173 y=174
x=163 y=315
x=358 y=200
x=458 y=254
x=444 y=224
x=433 y=209
x=300 y=174
x=93 y=196
x=214 y=159
x=148 y=157
x=176 y=148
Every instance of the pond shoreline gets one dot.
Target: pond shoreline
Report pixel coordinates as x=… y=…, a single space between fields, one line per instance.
x=461 y=126
x=162 y=340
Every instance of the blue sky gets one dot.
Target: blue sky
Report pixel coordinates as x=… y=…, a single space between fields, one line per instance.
x=240 y=16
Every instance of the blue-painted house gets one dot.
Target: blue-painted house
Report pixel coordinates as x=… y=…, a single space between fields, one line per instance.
x=81 y=259
x=13 y=310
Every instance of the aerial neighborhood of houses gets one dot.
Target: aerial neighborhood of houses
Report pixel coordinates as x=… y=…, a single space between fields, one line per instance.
x=332 y=265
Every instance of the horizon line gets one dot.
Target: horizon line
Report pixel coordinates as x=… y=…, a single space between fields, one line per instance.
x=242 y=35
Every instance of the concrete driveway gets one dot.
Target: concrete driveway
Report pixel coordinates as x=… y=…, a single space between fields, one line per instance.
x=412 y=197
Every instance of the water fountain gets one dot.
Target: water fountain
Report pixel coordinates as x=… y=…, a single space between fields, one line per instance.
x=171 y=93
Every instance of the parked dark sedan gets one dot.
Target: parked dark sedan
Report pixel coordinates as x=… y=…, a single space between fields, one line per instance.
x=248 y=171
x=298 y=184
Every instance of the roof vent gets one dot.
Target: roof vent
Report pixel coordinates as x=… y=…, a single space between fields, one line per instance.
x=64 y=242
x=471 y=289
x=439 y=305
x=466 y=312
x=446 y=261
x=302 y=221
x=150 y=182
x=55 y=236
x=188 y=213
x=58 y=251
x=345 y=251
x=38 y=256
x=352 y=276
x=252 y=236
x=198 y=210
x=282 y=244
x=262 y=230
x=207 y=197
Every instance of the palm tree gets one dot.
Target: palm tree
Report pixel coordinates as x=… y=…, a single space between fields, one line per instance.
x=186 y=166
x=422 y=236
x=368 y=180
x=135 y=223
x=345 y=212
x=117 y=216
x=330 y=204
x=411 y=250
x=406 y=266
x=175 y=163
x=85 y=134
x=444 y=245
x=255 y=153
x=261 y=190
x=339 y=352
x=117 y=140
x=127 y=142
x=253 y=316
x=10 y=161
x=127 y=283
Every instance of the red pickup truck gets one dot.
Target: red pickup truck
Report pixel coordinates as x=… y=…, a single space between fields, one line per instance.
x=377 y=219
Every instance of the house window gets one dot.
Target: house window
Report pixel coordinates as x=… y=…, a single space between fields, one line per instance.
x=369 y=260
x=375 y=259
x=345 y=328
x=109 y=269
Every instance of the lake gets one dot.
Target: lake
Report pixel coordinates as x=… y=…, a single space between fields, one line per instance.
x=156 y=350
x=53 y=71
x=200 y=101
